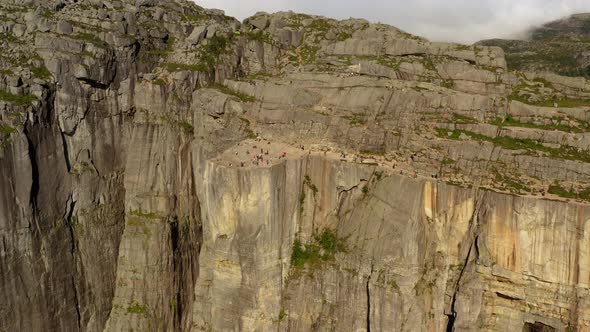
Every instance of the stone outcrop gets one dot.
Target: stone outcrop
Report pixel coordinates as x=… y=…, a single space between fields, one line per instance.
x=400 y=184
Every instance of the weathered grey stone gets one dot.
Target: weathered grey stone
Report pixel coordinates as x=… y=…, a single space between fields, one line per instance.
x=64 y=28
x=124 y=204
x=260 y=22
x=197 y=34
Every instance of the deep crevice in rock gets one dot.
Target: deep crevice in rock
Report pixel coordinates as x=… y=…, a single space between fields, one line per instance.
x=65 y=150
x=368 y=289
x=34 y=169
x=71 y=223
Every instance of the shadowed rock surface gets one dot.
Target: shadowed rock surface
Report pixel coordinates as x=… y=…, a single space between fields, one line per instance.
x=388 y=183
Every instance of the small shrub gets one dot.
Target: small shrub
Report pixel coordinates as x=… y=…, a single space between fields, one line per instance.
x=41 y=72
x=355 y=119
x=6 y=129
x=322 y=247
x=186 y=126
x=136 y=308
x=19 y=100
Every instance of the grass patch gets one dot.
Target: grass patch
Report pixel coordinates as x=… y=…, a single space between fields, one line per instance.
x=186 y=126
x=511 y=184
x=322 y=247
x=19 y=100
x=91 y=38
x=462 y=119
x=8 y=37
x=511 y=143
x=6 y=129
x=392 y=63
x=174 y=67
x=136 y=308
x=249 y=132
x=320 y=25
x=556 y=124
x=164 y=52
x=558 y=190
x=355 y=119
x=196 y=17
x=241 y=96
x=524 y=93
x=342 y=36
x=309 y=54
x=261 y=36
x=211 y=54
x=41 y=72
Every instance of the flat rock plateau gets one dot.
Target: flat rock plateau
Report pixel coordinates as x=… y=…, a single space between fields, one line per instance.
x=164 y=167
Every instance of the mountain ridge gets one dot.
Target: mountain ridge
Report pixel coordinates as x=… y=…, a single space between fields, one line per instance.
x=166 y=167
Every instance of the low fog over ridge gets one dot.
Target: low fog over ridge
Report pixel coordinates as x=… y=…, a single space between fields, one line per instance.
x=464 y=21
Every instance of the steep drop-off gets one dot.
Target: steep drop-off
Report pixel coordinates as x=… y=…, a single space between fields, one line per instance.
x=400 y=185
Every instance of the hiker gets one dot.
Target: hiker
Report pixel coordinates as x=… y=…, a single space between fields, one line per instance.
x=242 y=164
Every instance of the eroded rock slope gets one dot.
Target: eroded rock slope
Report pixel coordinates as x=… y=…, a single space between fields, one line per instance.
x=404 y=185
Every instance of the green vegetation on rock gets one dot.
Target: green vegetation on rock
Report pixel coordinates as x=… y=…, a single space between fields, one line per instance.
x=6 y=129
x=555 y=124
x=165 y=51
x=136 y=308
x=174 y=67
x=91 y=38
x=511 y=143
x=530 y=94
x=247 y=129
x=262 y=36
x=322 y=247
x=211 y=53
x=241 y=96
x=557 y=189
x=19 y=100
x=355 y=119
x=41 y=72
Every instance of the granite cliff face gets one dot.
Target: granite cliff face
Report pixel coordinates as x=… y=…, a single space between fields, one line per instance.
x=404 y=185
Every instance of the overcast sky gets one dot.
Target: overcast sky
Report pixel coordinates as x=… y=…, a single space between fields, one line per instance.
x=464 y=21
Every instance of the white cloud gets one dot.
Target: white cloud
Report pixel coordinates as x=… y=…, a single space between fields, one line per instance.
x=450 y=20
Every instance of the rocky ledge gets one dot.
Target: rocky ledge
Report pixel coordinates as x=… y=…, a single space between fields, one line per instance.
x=402 y=184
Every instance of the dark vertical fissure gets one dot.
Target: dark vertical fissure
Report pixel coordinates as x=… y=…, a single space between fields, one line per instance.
x=71 y=223
x=368 y=289
x=453 y=314
x=177 y=260
x=66 y=153
x=34 y=169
